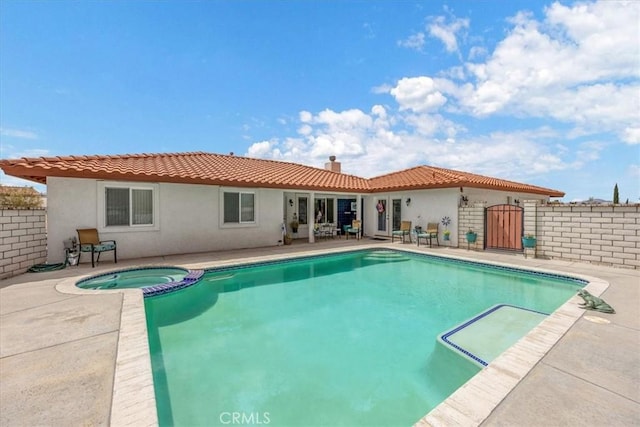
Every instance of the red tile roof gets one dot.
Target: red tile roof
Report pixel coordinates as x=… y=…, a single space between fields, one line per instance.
x=229 y=170
x=432 y=177
x=192 y=168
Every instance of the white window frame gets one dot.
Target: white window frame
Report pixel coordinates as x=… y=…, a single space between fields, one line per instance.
x=102 y=217
x=326 y=204
x=240 y=223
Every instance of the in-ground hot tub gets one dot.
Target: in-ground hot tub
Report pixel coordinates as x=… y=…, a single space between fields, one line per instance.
x=152 y=280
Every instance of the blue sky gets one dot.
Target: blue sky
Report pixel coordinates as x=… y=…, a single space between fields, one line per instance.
x=546 y=93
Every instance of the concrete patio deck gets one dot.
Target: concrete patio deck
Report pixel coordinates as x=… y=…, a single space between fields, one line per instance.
x=58 y=351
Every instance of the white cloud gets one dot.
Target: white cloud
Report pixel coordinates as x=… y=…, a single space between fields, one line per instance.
x=10 y=151
x=368 y=145
x=414 y=41
x=447 y=32
x=478 y=52
x=631 y=135
x=18 y=133
x=305 y=129
x=305 y=116
x=261 y=149
x=419 y=94
x=384 y=88
x=578 y=66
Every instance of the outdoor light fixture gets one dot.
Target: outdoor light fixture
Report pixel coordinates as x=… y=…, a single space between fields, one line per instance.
x=291 y=202
x=408 y=201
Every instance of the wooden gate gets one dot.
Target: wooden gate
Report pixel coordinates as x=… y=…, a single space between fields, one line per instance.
x=504 y=227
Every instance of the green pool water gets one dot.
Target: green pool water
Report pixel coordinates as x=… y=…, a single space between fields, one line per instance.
x=341 y=340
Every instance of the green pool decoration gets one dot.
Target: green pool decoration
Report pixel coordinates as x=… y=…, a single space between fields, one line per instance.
x=594 y=303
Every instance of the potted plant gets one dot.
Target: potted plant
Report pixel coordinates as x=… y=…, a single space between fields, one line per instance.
x=471 y=236
x=446 y=233
x=529 y=241
x=294 y=224
x=288 y=239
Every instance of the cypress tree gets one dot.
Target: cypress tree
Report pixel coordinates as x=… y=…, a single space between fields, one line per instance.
x=616 y=196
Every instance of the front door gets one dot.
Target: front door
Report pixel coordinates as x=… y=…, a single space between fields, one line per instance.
x=382 y=216
x=303 y=216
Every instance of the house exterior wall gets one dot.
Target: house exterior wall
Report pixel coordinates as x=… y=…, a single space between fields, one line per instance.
x=432 y=205
x=189 y=220
x=426 y=206
x=23 y=240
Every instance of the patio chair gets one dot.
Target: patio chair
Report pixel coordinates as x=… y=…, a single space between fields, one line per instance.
x=328 y=230
x=405 y=230
x=354 y=229
x=89 y=241
x=324 y=231
x=429 y=234
x=345 y=228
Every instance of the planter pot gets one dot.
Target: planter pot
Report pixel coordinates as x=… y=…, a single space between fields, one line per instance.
x=72 y=258
x=446 y=236
x=529 y=242
x=288 y=240
x=295 y=230
x=471 y=237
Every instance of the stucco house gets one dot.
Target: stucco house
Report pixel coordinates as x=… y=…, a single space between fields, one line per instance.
x=171 y=203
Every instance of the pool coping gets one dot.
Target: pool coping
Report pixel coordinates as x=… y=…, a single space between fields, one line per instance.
x=133 y=398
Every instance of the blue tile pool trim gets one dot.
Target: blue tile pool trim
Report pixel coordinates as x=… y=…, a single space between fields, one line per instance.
x=445 y=336
x=430 y=256
x=192 y=277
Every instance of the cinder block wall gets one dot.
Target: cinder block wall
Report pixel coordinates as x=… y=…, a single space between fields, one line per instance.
x=608 y=235
x=471 y=217
x=598 y=234
x=23 y=240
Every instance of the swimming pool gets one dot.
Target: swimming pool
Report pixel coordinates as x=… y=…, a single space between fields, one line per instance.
x=348 y=339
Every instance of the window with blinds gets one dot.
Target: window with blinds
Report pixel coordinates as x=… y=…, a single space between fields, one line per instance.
x=128 y=206
x=238 y=207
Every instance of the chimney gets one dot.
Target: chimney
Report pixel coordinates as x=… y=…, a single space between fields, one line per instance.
x=332 y=166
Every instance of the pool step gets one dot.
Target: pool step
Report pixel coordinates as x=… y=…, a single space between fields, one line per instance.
x=485 y=336
x=386 y=256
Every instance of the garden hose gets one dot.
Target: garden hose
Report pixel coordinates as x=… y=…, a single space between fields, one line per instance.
x=40 y=268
